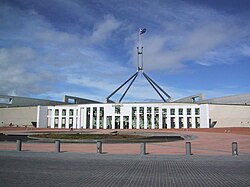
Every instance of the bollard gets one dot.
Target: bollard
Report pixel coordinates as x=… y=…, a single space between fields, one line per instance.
x=143 y=148
x=234 y=148
x=19 y=145
x=99 y=147
x=188 y=148
x=57 y=146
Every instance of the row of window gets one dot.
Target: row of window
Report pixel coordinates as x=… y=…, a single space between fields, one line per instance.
x=71 y=112
x=141 y=111
x=125 y=122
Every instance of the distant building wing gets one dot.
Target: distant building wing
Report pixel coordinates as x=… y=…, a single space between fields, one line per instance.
x=242 y=99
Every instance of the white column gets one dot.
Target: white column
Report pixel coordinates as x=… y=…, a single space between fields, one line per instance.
x=113 y=122
x=193 y=117
x=74 y=118
x=160 y=117
x=185 y=121
x=98 y=118
x=137 y=118
x=91 y=117
x=67 y=118
x=204 y=116
x=153 y=117
x=78 y=118
x=104 y=121
x=53 y=118
x=84 y=117
x=130 y=119
x=168 y=118
x=60 y=119
x=177 y=125
x=121 y=122
x=145 y=118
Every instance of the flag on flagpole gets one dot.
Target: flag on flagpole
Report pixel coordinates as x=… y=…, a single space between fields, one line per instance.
x=142 y=31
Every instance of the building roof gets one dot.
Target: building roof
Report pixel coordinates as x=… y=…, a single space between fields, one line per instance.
x=15 y=101
x=242 y=99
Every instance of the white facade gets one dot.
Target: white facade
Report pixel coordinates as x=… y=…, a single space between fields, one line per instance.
x=129 y=116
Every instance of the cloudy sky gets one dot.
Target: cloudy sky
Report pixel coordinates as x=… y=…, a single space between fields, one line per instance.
x=85 y=48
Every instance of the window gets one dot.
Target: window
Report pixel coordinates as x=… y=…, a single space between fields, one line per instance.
x=71 y=112
x=117 y=109
x=180 y=111
x=172 y=111
x=70 y=122
x=56 y=123
x=164 y=111
x=64 y=112
x=63 y=122
x=188 y=111
x=56 y=112
x=109 y=122
x=197 y=111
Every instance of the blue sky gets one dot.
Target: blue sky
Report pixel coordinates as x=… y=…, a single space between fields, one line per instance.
x=87 y=48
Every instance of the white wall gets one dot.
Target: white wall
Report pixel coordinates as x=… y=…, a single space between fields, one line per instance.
x=21 y=116
x=42 y=120
x=230 y=115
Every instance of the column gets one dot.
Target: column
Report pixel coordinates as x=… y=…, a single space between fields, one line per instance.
x=104 y=121
x=160 y=117
x=53 y=118
x=60 y=119
x=145 y=118
x=113 y=122
x=78 y=118
x=130 y=118
x=153 y=117
x=168 y=118
x=91 y=117
x=67 y=118
x=137 y=118
x=193 y=117
x=98 y=118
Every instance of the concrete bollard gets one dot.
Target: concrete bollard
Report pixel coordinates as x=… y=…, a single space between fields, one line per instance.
x=99 y=147
x=188 y=148
x=143 y=148
x=57 y=146
x=234 y=148
x=19 y=145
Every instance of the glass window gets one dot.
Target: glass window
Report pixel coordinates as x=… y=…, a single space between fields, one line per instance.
x=197 y=111
x=56 y=112
x=180 y=111
x=172 y=111
x=117 y=109
x=64 y=112
x=164 y=111
x=188 y=111
x=71 y=112
x=70 y=122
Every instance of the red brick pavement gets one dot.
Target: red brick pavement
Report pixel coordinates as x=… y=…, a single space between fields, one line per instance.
x=208 y=142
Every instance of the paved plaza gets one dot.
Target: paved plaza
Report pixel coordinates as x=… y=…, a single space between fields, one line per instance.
x=211 y=164
x=80 y=169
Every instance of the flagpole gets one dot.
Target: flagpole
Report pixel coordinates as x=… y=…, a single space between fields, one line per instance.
x=140 y=60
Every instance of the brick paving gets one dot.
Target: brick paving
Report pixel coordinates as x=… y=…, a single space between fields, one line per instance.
x=79 y=169
x=207 y=142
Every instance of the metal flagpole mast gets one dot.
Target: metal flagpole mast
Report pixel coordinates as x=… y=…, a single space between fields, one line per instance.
x=140 y=49
x=155 y=86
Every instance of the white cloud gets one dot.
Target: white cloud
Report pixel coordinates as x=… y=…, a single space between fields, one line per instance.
x=39 y=55
x=103 y=30
x=246 y=50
